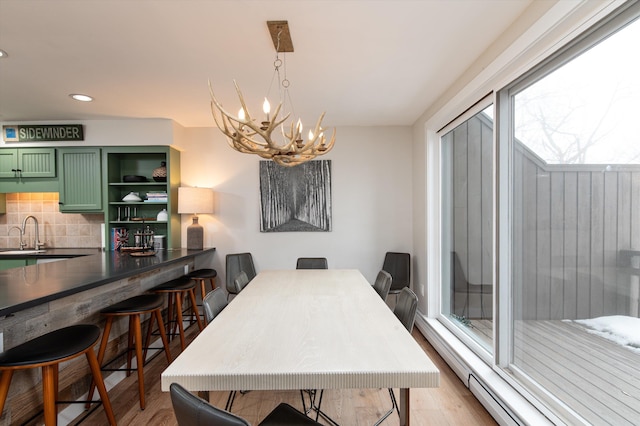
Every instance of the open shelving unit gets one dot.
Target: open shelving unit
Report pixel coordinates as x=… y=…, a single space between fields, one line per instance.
x=135 y=216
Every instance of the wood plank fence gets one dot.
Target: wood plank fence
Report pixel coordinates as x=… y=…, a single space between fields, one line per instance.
x=572 y=229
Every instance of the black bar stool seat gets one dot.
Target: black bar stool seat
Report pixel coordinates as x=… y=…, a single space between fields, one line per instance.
x=202 y=275
x=48 y=351
x=133 y=308
x=143 y=302
x=177 y=289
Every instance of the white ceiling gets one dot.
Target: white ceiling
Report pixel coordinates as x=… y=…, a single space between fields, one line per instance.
x=375 y=62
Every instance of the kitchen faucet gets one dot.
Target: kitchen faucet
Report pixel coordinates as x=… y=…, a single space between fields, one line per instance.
x=37 y=244
x=22 y=243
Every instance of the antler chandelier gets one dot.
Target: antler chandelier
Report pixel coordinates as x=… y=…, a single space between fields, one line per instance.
x=245 y=134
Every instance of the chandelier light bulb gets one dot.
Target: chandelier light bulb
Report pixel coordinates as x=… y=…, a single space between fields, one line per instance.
x=266 y=107
x=241 y=115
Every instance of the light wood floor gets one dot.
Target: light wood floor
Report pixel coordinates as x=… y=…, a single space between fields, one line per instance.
x=450 y=404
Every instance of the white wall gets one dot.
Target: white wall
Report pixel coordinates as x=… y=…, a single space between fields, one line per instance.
x=371 y=194
x=148 y=131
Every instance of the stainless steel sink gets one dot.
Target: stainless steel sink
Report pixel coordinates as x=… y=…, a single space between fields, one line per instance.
x=25 y=252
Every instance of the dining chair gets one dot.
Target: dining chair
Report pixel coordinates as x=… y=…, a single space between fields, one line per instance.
x=405 y=311
x=312 y=263
x=406 y=307
x=240 y=282
x=399 y=266
x=213 y=303
x=191 y=410
x=236 y=263
x=382 y=284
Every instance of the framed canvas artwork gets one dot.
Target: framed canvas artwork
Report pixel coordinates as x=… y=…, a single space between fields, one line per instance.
x=295 y=199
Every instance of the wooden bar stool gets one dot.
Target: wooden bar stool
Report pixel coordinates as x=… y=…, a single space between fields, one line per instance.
x=47 y=352
x=176 y=290
x=134 y=307
x=200 y=276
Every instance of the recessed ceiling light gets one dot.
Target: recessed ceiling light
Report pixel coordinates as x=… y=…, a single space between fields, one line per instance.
x=81 y=98
x=3 y=54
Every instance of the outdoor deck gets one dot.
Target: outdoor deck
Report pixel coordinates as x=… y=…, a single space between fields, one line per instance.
x=592 y=375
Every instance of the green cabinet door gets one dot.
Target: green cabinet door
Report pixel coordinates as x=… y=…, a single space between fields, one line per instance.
x=37 y=162
x=80 y=183
x=17 y=163
x=9 y=163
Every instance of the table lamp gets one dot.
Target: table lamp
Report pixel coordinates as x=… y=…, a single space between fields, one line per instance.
x=194 y=201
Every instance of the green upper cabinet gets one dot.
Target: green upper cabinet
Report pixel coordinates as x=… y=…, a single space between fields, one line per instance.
x=18 y=163
x=80 y=184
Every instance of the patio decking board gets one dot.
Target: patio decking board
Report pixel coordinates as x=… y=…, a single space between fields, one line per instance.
x=576 y=366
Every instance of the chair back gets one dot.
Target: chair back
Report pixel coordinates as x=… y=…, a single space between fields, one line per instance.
x=382 y=284
x=312 y=263
x=399 y=266
x=236 y=263
x=406 y=306
x=241 y=281
x=191 y=410
x=214 y=302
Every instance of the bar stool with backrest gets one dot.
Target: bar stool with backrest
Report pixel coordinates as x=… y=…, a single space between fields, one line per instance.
x=47 y=352
x=176 y=290
x=133 y=308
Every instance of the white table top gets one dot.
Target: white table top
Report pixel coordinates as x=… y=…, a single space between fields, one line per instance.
x=303 y=329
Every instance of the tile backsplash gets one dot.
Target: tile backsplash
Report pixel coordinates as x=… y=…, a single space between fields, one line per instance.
x=60 y=230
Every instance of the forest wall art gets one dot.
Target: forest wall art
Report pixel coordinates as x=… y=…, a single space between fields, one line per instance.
x=295 y=199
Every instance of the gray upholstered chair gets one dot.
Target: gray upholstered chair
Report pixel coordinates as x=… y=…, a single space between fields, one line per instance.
x=406 y=307
x=312 y=263
x=236 y=263
x=213 y=303
x=399 y=266
x=240 y=282
x=405 y=311
x=382 y=284
x=190 y=410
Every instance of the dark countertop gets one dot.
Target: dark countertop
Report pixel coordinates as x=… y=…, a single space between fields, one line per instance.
x=29 y=286
x=51 y=253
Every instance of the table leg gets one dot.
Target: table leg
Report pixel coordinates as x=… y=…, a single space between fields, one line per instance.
x=404 y=407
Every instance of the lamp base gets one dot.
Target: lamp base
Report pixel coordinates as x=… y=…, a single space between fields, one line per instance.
x=195 y=235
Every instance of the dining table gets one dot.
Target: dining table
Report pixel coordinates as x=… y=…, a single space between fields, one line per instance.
x=305 y=329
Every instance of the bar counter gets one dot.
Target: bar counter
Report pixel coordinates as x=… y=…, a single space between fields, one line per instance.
x=29 y=286
x=44 y=297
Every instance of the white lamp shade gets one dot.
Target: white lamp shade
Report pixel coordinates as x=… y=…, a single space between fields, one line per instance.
x=195 y=200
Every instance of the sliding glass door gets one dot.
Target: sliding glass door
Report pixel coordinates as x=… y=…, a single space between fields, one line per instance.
x=544 y=282
x=575 y=242
x=467 y=212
